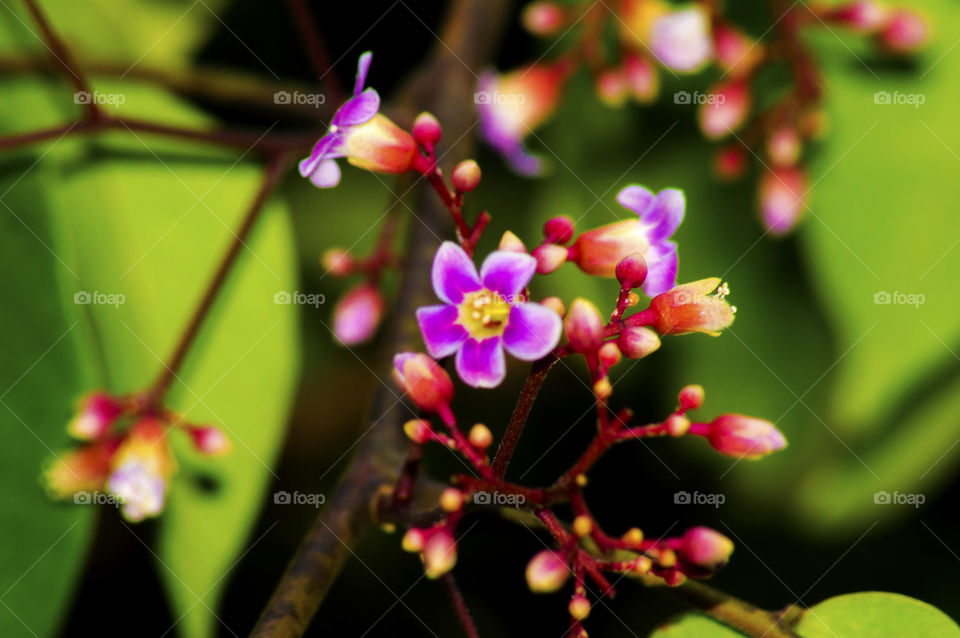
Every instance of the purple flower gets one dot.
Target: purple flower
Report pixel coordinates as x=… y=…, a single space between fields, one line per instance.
x=359 y=133
x=598 y=251
x=484 y=313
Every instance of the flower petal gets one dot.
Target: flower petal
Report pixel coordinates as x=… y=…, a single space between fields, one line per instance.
x=507 y=272
x=358 y=109
x=636 y=198
x=453 y=273
x=661 y=268
x=441 y=334
x=665 y=215
x=532 y=331
x=481 y=364
x=524 y=162
x=326 y=175
x=320 y=152
x=363 y=67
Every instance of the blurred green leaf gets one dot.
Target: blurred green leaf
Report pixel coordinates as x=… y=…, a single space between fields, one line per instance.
x=694 y=626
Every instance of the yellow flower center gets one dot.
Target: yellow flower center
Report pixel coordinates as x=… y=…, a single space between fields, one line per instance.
x=484 y=313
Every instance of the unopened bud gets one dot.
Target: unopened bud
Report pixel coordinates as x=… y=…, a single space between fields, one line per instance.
x=677 y=425
x=558 y=230
x=636 y=342
x=699 y=306
x=555 y=304
x=583 y=326
x=209 y=440
x=705 y=547
x=543 y=18
x=612 y=87
x=451 y=500
x=582 y=525
x=579 y=607
x=784 y=146
x=98 y=411
x=413 y=540
x=745 y=437
x=904 y=32
x=603 y=389
x=439 y=554
x=862 y=16
x=725 y=109
x=357 y=314
x=730 y=162
x=427 y=384
x=691 y=397
x=634 y=536
x=427 y=131
x=466 y=176
x=418 y=430
x=609 y=354
x=480 y=436
x=337 y=262
x=511 y=243
x=547 y=572
x=631 y=271
x=549 y=257
x=781 y=194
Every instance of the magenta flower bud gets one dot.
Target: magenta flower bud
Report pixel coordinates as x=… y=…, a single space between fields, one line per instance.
x=781 y=193
x=632 y=270
x=904 y=32
x=745 y=437
x=427 y=131
x=641 y=78
x=637 y=342
x=98 y=412
x=547 y=572
x=558 y=230
x=681 y=39
x=583 y=326
x=543 y=18
x=691 y=397
x=209 y=440
x=609 y=354
x=423 y=380
x=693 y=307
x=725 y=109
x=705 y=547
x=439 y=554
x=730 y=162
x=466 y=176
x=418 y=430
x=413 y=540
x=358 y=314
x=549 y=257
x=862 y=16
x=784 y=146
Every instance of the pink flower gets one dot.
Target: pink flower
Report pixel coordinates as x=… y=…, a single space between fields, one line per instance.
x=681 y=39
x=358 y=132
x=485 y=312
x=743 y=436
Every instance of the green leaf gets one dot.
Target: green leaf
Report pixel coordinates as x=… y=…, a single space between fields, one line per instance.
x=694 y=626
x=875 y=615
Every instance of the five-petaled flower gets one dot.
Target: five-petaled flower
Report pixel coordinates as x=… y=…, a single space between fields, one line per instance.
x=598 y=251
x=360 y=133
x=485 y=312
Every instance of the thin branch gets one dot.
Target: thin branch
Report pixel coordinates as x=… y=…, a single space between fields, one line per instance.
x=313 y=43
x=275 y=170
x=470 y=31
x=460 y=606
x=62 y=54
x=531 y=387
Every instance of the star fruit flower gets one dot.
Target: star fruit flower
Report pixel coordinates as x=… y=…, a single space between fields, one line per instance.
x=361 y=134
x=484 y=313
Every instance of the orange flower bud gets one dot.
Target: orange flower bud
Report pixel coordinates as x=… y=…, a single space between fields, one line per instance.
x=692 y=308
x=425 y=382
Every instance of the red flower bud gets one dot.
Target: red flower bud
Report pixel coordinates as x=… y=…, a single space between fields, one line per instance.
x=705 y=547
x=745 y=437
x=730 y=162
x=98 y=412
x=549 y=257
x=466 y=176
x=558 y=230
x=439 y=554
x=209 y=440
x=358 y=314
x=637 y=342
x=781 y=192
x=543 y=18
x=424 y=381
x=632 y=270
x=904 y=32
x=337 y=261
x=725 y=109
x=427 y=131
x=583 y=326
x=691 y=397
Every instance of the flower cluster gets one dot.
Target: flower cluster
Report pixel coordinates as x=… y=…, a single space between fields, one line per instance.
x=684 y=40
x=125 y=452
x=486 y=312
